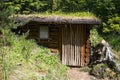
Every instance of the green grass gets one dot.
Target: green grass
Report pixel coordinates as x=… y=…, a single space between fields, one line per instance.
x=87 y=15
x=25 y=60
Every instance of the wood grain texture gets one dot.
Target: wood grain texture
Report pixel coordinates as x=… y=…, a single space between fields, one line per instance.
x=73 y=45
x=70 y=40
x=87 y=55
x=54 y=40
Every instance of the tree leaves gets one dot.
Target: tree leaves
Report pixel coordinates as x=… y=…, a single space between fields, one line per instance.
x=113 y=25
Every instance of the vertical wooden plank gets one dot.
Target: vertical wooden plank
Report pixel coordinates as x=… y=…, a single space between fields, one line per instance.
x=78 y=45
x=83 y=46
x=77 y=37
x=60 y=42
x=84 y=43
x=80 y=42
x=62 y=47
x=73 y=62
x=73 y=47
x=72 y=40
x=67 y=45
x=78 y=33
x=87 y=60
x=75 y=44
x=65 y=40
x=69 y=38
x=76 y=53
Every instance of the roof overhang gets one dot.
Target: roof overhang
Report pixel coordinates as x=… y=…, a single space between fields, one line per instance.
x=58 y=19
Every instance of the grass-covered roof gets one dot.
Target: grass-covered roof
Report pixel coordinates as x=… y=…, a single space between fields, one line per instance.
x=60 y=18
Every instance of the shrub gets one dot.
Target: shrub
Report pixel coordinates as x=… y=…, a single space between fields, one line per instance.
x=113 y=25
x=95 y=37
x=19 y=52
x=102 y=71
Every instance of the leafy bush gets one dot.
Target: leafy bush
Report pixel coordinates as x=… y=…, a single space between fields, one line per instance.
x=20 y=52
x=113 y=25
x=102 y=71
x=95 y=37
x=28 y=6
x=113 y=40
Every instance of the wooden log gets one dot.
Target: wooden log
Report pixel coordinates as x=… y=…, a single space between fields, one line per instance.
x=79 y=51
x=72 y=45
x=83 y=46
x=63 y=46
x=87 y=60
x=60 y=42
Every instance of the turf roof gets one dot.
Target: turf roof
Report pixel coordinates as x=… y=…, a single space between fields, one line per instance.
x=61 y=18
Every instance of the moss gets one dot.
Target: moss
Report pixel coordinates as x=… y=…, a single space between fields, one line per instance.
x=87 y=15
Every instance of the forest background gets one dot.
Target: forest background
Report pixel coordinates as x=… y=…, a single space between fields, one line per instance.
x=107 y=10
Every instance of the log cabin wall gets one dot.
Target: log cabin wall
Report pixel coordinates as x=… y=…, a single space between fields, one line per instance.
x=54 y=35
x=88 y=45
x=70 y=40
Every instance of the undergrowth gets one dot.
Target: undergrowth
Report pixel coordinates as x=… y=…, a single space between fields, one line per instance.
x=24 y=60
x=103 y=70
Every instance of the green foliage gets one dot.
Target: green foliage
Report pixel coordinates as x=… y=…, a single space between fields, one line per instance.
x=5 y=23
x=117 y=76
x=73 y=5
x=114 y=40
x=85 y=69
x=57 y=73
x=105 y=9
x=25 y=52
x=102 y=71
x=113 y=25
x=95 y=37
x=21 y=55
x=102 y=8
x=29 y=6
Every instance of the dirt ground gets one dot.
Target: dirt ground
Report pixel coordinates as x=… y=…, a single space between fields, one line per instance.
x=76 y=74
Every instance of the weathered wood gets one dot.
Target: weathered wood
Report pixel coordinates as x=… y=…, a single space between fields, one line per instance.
x=78 y=45
x=60 y=41
x=72 y=41
x=63 y=47
x=87 y=55
x=73 y=45
x=34 y=33
x=58 y=19
x=83 y=41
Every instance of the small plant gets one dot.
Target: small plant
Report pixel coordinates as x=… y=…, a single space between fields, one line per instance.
x=58 y=72
x=25 y=54
x=95 y=37
x=85 y=69
x=98 y=70
x=102 y=71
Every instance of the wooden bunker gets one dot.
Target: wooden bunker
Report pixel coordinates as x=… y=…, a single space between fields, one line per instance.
x=68 y=36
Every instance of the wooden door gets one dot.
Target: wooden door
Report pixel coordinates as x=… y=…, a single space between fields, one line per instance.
x=73 y=45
